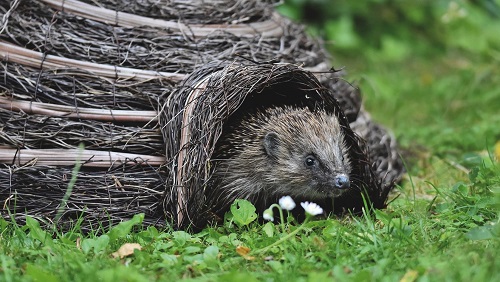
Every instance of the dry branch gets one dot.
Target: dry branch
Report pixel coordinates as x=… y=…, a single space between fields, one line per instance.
x=267 y=28
x=54 y=110
x=68 y=157
x=16 y=54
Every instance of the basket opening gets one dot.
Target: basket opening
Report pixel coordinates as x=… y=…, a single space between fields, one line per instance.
x=285 y=92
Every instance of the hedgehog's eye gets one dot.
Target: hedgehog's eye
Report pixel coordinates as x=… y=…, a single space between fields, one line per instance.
x=310 y=160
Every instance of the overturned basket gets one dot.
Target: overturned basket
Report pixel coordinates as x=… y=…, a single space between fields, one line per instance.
x=75 y=73
x=214 y=95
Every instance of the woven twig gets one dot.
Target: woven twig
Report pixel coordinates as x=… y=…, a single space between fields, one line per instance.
x=54 y=110
x=68 y=157
x=15 y=54
x=265 y=28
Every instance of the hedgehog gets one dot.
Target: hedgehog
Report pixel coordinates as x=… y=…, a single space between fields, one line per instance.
x=280 y=151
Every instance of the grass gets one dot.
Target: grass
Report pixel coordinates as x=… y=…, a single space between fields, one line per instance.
x=441 y=98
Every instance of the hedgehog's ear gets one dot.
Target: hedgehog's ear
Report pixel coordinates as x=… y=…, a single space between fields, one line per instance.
x=271 y=143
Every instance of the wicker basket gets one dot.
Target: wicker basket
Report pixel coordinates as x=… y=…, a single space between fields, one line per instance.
x=147 y=87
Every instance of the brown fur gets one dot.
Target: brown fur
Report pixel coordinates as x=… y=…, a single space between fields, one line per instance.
x=266 y=156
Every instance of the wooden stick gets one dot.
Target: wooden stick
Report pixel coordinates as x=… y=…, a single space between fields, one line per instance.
x=67 y=157
x=77 y=112
x=182 y=195
x=269 y=28
x=12 y=53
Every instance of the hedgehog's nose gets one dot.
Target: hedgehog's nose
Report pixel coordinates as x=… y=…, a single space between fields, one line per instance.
x=342 y=181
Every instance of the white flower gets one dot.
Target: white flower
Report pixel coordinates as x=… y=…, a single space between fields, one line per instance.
x=287 y=203
x=312 y=208
x=268 y=215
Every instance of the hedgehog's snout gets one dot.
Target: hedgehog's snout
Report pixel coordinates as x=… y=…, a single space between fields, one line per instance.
x=342 y=181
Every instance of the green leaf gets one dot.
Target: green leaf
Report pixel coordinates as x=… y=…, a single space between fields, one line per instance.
x=37 y=273
x=320 y=276
x=181 y=237
x=268 y=228
x=472 y=159
x=210 y=255
x=243 y=212
x=276 y=266
x=123 y=228
x=121 y=273
x=460 y=188
x=98 y=244
x=197 y=259
x=481 y=233
x=3 y=223
x=191 y=250
x=237 y=275
x=36 y=231
x=169 y=259
x=473 y=174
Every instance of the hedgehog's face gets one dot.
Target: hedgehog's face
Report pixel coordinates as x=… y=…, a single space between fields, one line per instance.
x=315 y=166
x=322 y=178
